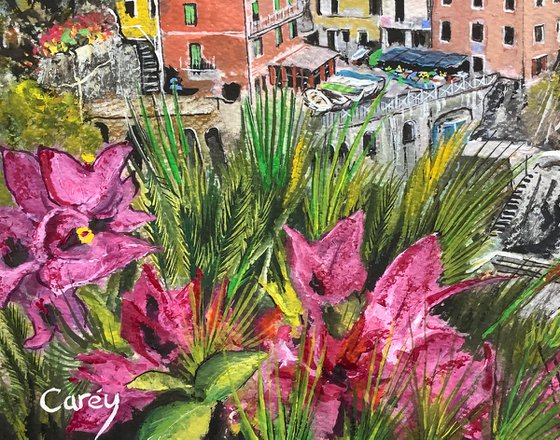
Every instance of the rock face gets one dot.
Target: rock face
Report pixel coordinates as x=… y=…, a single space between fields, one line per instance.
x=535 y=226
x=108 y=69
x=503 y=108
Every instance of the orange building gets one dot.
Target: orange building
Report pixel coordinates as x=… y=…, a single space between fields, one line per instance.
x=212 y=43
x=520 y=39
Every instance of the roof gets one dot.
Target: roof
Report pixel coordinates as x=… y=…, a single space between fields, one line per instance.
x=308 y=57
x=422 y=58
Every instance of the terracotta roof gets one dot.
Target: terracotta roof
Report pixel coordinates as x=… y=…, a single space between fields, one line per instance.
x=308 y=57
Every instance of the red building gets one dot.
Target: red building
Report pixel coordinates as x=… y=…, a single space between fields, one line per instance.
x=211 y=43
x=517 y=38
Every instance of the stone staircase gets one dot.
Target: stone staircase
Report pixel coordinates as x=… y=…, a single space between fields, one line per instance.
x=149 y=67
x=512 y=206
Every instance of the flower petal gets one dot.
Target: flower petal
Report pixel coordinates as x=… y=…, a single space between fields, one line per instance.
x=84 y=264
x=95 y=190
x=24 y=180
x=329 y=270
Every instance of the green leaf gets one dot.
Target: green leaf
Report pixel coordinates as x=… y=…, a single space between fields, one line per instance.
x=157 y=381
x=66 y=38
x=226 y=372
x=104 y=324
x=177 y=421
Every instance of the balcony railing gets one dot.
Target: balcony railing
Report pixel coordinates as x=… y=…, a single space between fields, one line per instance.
x=201 y=70
x=413 y=23
x=288 y=13
x=412 y=98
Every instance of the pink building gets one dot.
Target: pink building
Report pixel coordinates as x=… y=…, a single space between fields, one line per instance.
x=517 y=38
x=211 y=43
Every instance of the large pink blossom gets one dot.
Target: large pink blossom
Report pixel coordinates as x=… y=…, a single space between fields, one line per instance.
x=71 y=224
x=397 y=313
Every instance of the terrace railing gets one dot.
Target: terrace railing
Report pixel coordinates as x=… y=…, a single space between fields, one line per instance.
x=288 y=13
x=412 y=98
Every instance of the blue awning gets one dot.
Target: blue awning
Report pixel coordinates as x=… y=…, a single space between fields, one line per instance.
x=423 y=59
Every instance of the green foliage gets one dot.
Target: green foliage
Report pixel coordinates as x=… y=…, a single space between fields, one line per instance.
x=157 y=381
x=177 y=420
x=373 y=59
x=397 y=215
x=540 y=116
x=30 y=116
x=225 y=372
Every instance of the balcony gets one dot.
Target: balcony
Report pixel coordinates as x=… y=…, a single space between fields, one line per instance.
x=200 y=71
x=414 y=23
x=284 y=15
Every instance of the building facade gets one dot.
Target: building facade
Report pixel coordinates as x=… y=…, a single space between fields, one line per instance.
x=347 y=25
x=405 y=23
x=517 y=38
x=138 y=20
x=214 y=49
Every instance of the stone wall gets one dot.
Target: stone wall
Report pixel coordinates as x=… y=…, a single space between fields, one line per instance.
x=105 y=70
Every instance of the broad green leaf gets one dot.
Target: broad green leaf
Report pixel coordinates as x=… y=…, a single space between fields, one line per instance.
x=225 y=372
x=66 y=38
x=177 y=421
x=157 y=381
x=103 y=322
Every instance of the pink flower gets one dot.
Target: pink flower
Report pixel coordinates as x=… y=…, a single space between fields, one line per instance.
x=157 y=323
x=111 y=373
x=329 y=270
x=71 y=227
x=397 y=311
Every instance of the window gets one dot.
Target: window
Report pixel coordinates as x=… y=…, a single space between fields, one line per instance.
x=509 y=5
x=369 y=143
x=539 y=65
x=293 y=29
x=478 y=64
x=445 y=31
x=334 y=7
x=539 y=3
x=363 y=37
x=345 y=35
x=279 y=37
x=331 y=39
x=478 y=3
x=509 y=35
x=375 y=7
x=558 y=30
x=130 y=8
x=408 y=132
x=255 y=9
x=258 y=47
x=153 y=8
x=539 y=33
x=276 y=5
x=477 y=32
x=195 y=54
x=190 y=14
x=446 y=2
x=318 y=7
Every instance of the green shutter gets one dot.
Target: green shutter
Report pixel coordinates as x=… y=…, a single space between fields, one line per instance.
x=258 y=46
x=277 y=5
x=190 y=14
x=279 y=38
x=293 y=29
x=255 y=8
x=195 y=53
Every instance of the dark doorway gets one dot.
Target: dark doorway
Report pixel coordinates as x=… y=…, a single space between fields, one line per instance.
x=104 y=131
x=192 y=140
x=216 y=147
x=395 y=36
x=399 y=10
x=375 y=7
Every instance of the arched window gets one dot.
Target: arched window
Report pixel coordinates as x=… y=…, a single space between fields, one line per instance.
x=192 y=140
x=369 y=143
x=408 y=132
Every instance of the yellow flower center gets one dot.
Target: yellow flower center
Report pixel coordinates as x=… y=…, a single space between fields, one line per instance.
x=85 y=235
x=88 y=157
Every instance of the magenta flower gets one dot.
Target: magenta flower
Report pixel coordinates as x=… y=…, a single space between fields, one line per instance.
x=71 y=226
x=157 y=323
x=329 y=270
x=397 y=311
x=111 y=373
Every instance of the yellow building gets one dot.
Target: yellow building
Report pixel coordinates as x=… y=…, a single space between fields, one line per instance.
x=346 y=25
x=138 y=18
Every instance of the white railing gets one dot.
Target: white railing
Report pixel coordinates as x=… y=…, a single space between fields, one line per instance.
x=288 y=13
x=417 y=23
x=411 y=99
